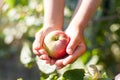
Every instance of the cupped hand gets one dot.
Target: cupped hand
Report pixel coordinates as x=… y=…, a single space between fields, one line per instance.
x=75 y=48
x=38 y=44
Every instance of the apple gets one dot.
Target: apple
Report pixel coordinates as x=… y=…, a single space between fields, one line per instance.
x=55 y=44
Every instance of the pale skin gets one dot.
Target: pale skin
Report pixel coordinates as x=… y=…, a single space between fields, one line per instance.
x=54 y=19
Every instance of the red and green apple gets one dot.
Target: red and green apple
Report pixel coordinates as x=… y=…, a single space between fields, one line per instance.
x=55 y=44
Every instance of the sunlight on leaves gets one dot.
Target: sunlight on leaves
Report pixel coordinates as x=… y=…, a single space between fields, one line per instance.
x=19 y=79
x=115 y=48
x=26 y=55
x=94 y=72
x=114 y=27
x=45 y=68
x=94 y=59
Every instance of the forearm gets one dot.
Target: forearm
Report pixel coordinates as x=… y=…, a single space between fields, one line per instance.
x=84 y=12
x=54 y=13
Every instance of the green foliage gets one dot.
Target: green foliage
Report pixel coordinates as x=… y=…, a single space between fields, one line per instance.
x=13 y=3
x=76 y=74
x=19 y=79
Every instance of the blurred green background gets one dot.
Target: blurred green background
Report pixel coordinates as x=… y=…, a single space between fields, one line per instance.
x=21 y=19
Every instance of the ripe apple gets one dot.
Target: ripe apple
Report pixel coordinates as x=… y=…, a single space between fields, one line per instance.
x=55 y=44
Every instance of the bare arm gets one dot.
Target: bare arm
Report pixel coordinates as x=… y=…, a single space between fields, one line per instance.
x=84 y=11
x=54 y=13
x=53 y=19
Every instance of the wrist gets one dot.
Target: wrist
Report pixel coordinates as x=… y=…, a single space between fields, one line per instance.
x=53 y=26
x=79 y=27
x=49 y=28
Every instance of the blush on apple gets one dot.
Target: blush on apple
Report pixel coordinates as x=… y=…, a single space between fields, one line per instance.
x=55 y=44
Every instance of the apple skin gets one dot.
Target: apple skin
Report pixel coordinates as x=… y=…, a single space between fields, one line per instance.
x=55 y=44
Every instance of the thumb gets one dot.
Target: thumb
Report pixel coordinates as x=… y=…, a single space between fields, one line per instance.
x=37 y=44
x=71 y=46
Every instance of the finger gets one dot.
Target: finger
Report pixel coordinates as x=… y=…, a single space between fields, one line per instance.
x=59 y=64
x=46 y=61
x=37 y=44
x=42 y=51
x=35 y=48
x=52 y=62
x=59 y=67
x=78 y=52
x=39 y=36
x=72 y=45
x=44 y=57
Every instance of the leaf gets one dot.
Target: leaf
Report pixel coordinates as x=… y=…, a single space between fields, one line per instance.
x=11 y=3
x=86 y=57
x=94 y=72
x=26 y=56
x=52 y=77
x=74 y=74
x=45 y=68
x=19 y=79
x=24 y=2
x=104 y=79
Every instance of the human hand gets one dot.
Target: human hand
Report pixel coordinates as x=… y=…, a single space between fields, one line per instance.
x=38 y=44
x=75 y=48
